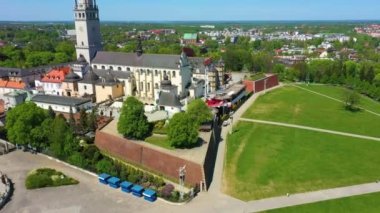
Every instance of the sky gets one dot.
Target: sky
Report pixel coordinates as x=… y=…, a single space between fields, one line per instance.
x=195 y=10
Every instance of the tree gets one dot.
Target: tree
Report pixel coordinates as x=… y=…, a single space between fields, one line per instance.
x=106 y=166
x=83 y=120
x=51 y=113
x=352 y=99
x=61 y=138
x=77 y=159
x=183 y=131
x=199 y=111
x=132 y=122
x=21 y=123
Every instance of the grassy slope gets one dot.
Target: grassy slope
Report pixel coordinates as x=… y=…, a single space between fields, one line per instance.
x=161 y=141
x=364 y=203
x=338 y=93
x=265 y=161
x=296 y=106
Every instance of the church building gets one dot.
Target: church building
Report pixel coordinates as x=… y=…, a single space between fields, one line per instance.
x=138 y=74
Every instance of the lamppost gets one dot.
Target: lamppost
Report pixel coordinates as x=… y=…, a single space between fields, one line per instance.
x=232 y=125
x=182 y=175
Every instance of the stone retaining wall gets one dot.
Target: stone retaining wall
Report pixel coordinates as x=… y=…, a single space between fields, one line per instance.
x=7 y=193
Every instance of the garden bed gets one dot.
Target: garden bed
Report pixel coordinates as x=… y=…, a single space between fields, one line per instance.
x=42 y=178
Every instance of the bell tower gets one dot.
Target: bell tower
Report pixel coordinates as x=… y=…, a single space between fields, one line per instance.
x=87 y=26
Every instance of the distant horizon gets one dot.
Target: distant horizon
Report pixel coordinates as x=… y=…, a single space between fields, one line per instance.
x=199 y=21
x=196 y=10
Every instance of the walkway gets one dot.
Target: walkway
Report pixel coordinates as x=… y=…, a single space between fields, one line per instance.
x=310 y=128
x=216 y=185
x=311 y=197
x=334 y=99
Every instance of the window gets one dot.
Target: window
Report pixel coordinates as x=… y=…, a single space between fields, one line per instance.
x=148 y=86
x=95 y=67
x=173 y=74
x=164 y=72
x=80 y=15
x=128 y=69
x=119 y=68
x=103 y=67
x=111 y=67
x=156 y=86
x=155 y=72
x=103 y=87
x=85 y=87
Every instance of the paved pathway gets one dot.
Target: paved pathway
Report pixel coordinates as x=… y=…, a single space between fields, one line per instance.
x=216 y=185
x=311 y=129
x=311 y=197
x=334 y=99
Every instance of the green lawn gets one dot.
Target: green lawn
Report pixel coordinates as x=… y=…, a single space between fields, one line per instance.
x=161 y=141
x=338 y=93
x=364 y=203
x=296 y=106
x=265 y=161
x=42 y=178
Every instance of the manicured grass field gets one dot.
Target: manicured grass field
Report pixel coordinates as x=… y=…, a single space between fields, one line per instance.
x=265 y=161
x=339 y=92
x=42 y=178
x=364 y=203
x=161 y=141
x=296 y=106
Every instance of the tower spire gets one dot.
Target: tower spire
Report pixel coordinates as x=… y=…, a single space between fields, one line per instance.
x=139 y=49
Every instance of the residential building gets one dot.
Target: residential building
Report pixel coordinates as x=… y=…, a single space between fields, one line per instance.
x=62 y=104
x=51 y=83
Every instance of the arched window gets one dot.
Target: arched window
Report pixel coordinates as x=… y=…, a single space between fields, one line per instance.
x=119 y=68
x=111 y=67
x=164 y=72
x=80 y=15
x=103 y=67
x=173 y=74
x=95 y=67
x=128 y=69
x=84 y=15
x=155 y=72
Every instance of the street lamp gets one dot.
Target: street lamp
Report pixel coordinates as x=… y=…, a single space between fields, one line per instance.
x=182 y=175
x=232 y=125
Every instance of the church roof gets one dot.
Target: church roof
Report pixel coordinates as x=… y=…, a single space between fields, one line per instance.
x=72 y=77
x=146 y=60
x=90 y=78
x=131 y=59
x=169 y=99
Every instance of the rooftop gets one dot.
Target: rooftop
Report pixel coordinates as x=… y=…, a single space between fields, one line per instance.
x=190 y=36
x=60 y=100
x=56 y=75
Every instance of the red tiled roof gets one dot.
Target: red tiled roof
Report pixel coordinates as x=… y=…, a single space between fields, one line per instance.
x=12 y=84
x=56 y=75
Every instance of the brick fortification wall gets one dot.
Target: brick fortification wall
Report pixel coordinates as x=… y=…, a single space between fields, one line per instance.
x=258 y=86
x=159 y=162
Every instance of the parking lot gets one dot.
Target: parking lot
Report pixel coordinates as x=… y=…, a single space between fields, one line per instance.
x=88 y=196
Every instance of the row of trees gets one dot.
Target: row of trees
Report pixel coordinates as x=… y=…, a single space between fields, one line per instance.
x=364 y=77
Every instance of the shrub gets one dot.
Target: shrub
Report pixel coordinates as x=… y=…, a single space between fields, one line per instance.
x=166 y=192
x=46 y=178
